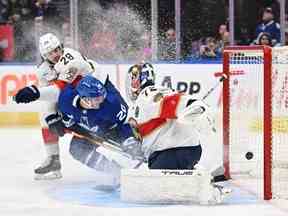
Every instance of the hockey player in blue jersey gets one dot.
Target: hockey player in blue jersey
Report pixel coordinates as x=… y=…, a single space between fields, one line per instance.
x=93 y=108
x=270 y=26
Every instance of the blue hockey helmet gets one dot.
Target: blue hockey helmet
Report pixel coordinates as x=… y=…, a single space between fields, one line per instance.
x=90 y=87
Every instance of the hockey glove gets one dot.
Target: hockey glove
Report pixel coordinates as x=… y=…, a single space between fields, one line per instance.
x=132 y=146
x=136 y=133
x=55 y=124
x=27 y=94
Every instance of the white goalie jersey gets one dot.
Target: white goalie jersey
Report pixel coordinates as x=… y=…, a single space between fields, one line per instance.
x=168 y=119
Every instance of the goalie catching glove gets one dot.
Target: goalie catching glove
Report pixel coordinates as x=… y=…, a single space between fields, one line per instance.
x=27 y=94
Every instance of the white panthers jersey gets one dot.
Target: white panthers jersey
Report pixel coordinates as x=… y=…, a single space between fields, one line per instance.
x=70 y=65
x=70 y=68
x=166 y=119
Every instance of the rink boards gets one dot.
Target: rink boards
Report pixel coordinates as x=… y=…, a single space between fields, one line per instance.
x=194 y=79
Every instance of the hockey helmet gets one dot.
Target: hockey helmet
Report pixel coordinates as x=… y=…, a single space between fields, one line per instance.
x=91 y=91
x=47 y=43
x=139 y=77
x=91 y=87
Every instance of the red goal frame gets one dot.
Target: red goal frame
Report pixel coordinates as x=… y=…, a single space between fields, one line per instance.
x=267 y=113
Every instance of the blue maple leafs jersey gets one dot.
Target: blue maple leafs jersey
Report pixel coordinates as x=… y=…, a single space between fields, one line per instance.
x=110 y=116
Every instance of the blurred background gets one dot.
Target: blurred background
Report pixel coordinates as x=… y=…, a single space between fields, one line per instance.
x=124 y=31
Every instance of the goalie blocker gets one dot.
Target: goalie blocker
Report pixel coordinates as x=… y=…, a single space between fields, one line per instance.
x=170 y=186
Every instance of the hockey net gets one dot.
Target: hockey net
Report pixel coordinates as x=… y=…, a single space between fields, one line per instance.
x=255 y=118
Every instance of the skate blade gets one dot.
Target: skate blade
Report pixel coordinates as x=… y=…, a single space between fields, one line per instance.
x=48 y=176
x=107 y=188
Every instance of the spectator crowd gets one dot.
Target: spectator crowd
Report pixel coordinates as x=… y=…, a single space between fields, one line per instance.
x=25 y=20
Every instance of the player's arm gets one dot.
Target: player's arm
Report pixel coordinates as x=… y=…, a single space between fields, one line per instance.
x=60 y=123
x=32 y=93
x=46 y=75
x=178 y=105
x=191 y=108
x=127 y=135
x=68 y=117
x=129 y=140
x=52 y=79
x=196 y=113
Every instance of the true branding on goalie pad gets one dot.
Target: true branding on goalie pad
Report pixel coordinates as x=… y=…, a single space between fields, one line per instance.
x=170 y=186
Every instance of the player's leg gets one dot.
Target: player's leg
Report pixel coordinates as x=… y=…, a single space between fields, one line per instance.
x=188 y=157
x=86 y=153
x=162 y=160
x=51 y=167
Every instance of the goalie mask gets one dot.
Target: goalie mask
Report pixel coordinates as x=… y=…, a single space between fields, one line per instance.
x=139 y=77
x=91 y=92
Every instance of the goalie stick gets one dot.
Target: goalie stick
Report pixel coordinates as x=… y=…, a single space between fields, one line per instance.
x=199 y=110
x=222 y=78
x=110 y=145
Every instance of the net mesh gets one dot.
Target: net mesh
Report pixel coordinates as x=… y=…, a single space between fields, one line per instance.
x=280 y=122
x=246 y=116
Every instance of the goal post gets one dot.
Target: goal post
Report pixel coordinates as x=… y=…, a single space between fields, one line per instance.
x=255 y=105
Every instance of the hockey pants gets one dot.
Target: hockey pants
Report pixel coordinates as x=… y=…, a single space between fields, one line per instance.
x=175 y=158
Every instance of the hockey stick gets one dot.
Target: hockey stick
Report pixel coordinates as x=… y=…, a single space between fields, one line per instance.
x=199 y=110
x=222 y=78
x=110 y=145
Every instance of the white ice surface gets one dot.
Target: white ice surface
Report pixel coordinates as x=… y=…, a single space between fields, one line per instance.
x=21 y=150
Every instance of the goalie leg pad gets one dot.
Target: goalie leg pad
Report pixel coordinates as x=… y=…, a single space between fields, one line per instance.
x=170 y=186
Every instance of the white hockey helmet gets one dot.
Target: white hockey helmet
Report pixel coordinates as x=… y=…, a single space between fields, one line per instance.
x=47 y=43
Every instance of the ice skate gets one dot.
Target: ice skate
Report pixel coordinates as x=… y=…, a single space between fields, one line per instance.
x=49 y=169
